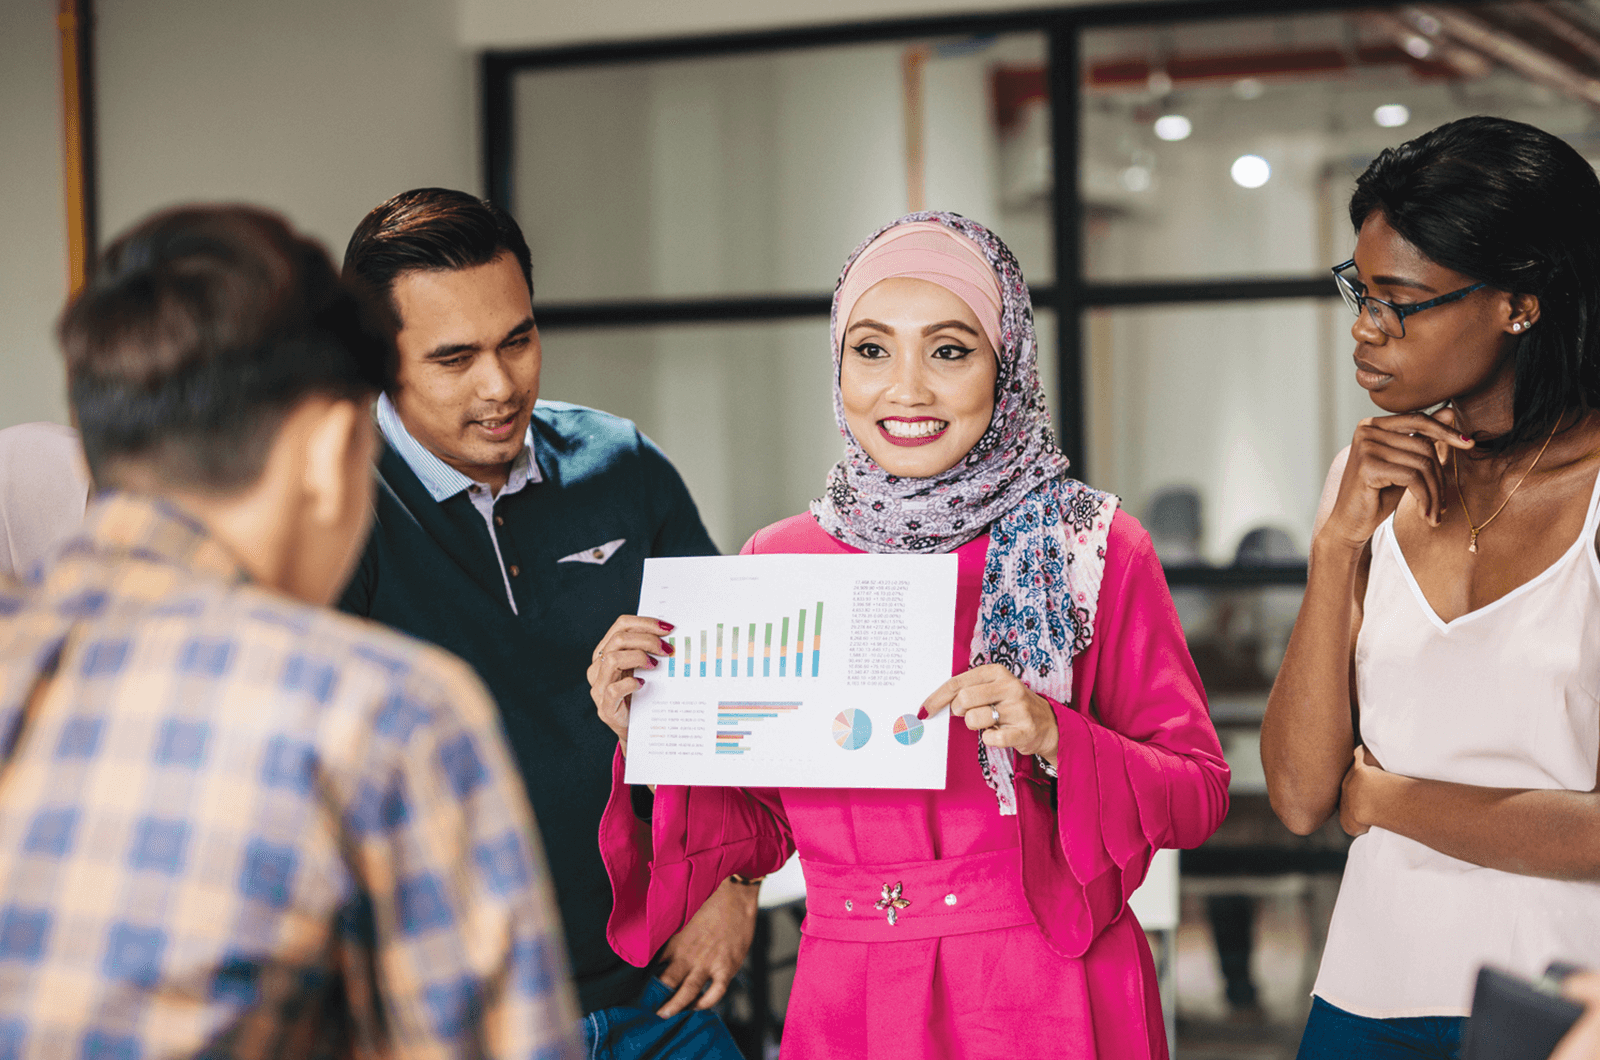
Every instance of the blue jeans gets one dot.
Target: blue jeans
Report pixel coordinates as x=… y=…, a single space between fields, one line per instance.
x=1334 y=1034
x=635 y=1032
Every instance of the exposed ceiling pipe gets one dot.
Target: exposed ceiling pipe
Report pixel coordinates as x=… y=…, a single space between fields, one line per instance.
x=1579 y=13
x=1463 y=61
x=1555 y=23
x=1533 y=63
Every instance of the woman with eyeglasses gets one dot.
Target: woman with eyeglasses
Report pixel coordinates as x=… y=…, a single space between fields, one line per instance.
x=1440 y=689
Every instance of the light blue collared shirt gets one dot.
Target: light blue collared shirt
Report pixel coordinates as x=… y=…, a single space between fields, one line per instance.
x=443 y=481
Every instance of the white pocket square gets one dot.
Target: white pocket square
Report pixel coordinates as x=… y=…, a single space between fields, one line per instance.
x=597 y=555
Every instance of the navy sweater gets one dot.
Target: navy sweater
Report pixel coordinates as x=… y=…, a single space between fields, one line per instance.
x=429 y=569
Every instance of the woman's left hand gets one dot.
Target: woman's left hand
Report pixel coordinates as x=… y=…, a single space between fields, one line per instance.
x=1009 y=713
x=1359 y=791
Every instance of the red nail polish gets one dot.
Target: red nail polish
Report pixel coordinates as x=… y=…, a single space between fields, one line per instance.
x=1464 y=438
x=653 y=663
x=639 y=679
x=667 y=648
x=668 y=626
x=922 y=713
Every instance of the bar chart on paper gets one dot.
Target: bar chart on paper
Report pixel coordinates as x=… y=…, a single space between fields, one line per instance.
x=736 y=721
x=716 y=653
x=792 y=671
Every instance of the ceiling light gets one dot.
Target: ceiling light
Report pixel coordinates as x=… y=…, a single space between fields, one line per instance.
x=1251 y=171
x=1248 y=88
x=1392 y=115
x=1418 y=47
x=1136 y=178
x=1173 y=127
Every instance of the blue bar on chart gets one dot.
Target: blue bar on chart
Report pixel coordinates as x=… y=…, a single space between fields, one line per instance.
x=816 y=644
x=735 y=718
x=719 y=649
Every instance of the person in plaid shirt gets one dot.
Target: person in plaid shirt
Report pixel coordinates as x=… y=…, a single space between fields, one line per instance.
x=233 y=822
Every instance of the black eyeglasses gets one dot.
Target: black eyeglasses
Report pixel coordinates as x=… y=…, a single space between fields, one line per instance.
x=1389 y=318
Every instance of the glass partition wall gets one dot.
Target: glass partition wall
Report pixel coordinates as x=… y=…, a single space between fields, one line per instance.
x=672 y=190
x=729 y=189
x=1174 y=179
x=1218 y=155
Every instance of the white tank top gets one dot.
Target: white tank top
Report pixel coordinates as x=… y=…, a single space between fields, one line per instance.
x=1506 y=696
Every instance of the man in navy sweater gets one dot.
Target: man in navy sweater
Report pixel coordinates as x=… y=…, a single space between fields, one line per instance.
x=513 y=533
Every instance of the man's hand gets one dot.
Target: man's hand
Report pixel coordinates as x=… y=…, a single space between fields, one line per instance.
x=708 y=951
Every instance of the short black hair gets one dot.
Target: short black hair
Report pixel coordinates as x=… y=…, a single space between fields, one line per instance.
x=431 y=229
x=199 y=330
x=1512 y=206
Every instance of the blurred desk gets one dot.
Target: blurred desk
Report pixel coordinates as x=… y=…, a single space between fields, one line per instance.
x=1155 y=904
x=1238 y=722
x=1231 y=709
x=786 y=885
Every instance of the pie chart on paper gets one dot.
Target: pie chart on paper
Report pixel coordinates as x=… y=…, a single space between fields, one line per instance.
x=908 y=729
x=852 y=729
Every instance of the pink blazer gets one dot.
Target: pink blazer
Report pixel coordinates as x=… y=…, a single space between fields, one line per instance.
x=1034 y=906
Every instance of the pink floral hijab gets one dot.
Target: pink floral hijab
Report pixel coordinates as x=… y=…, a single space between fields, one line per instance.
x=1046 y=557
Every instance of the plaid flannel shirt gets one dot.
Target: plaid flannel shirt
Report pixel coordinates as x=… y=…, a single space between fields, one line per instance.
x=234 y=825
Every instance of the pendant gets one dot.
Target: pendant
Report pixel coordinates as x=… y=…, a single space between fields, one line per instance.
x=1472 y=546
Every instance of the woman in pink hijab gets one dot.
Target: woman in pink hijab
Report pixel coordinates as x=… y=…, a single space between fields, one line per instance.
x=989 y=919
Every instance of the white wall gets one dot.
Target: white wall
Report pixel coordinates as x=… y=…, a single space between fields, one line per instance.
x=33 y=242
x=318 y=110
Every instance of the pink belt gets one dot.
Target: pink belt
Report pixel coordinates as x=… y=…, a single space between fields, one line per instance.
x=915 y=899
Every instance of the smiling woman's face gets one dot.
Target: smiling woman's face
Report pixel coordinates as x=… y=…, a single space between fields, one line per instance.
x=917 y=377
x=1458 y=350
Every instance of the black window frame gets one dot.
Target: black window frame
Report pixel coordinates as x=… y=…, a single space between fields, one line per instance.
x=1070 y=297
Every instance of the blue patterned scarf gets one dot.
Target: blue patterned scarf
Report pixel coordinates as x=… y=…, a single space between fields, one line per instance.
x=1041 y=579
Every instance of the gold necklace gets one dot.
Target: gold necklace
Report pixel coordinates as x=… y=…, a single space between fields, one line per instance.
x=1455 y=463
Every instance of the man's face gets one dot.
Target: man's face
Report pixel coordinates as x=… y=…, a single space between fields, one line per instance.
x=469 y=364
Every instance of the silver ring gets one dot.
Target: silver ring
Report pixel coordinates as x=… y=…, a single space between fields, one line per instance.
x=996 y=712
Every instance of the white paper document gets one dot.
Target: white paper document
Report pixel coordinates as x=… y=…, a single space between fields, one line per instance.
x=795 y=671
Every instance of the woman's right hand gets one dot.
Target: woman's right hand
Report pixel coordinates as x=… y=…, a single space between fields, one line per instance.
x=632 y=643
x=1391 y=456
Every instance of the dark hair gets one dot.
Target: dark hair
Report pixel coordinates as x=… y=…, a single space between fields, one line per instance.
x=431 y=229
x=1519 y=209
x=199 y=330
